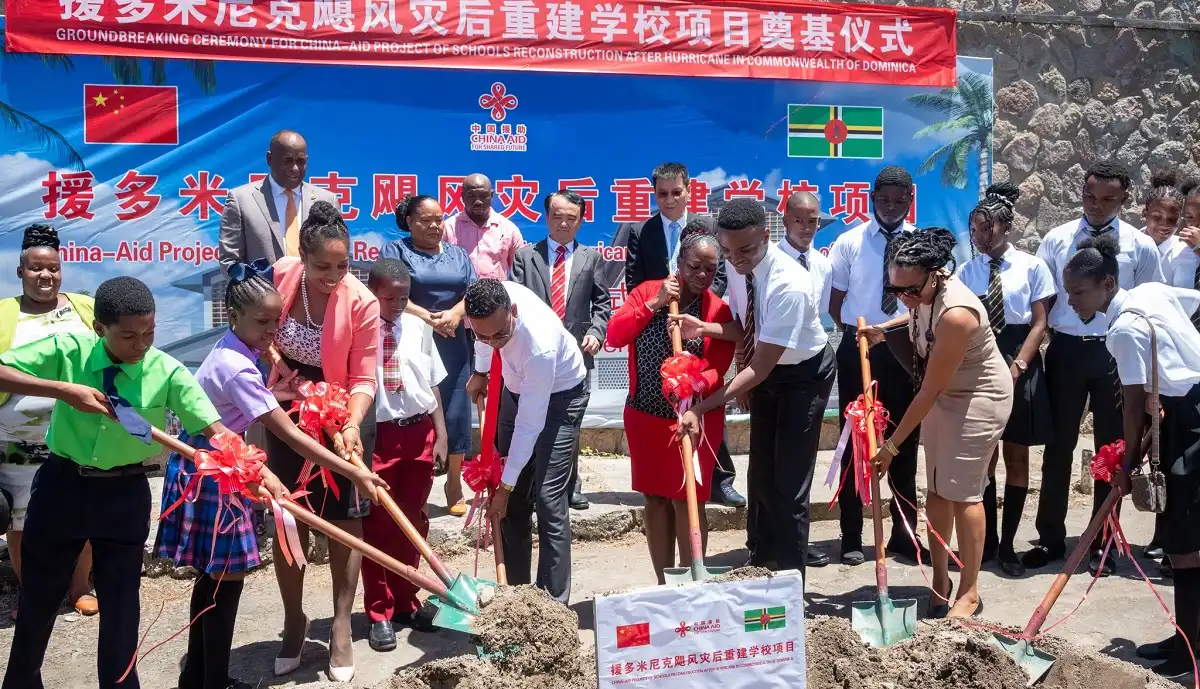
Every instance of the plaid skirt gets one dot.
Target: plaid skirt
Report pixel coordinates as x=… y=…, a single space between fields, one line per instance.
x=191 y=537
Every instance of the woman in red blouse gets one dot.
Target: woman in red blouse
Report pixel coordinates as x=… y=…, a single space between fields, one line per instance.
x=654 y=453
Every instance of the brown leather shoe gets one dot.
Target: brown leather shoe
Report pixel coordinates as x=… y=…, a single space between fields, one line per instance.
x=87 y=605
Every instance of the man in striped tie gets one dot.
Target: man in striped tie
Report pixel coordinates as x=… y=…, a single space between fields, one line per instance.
x=569 y=277
x=786 y=368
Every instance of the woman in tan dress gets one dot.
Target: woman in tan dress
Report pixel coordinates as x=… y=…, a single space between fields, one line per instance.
x=964 y=396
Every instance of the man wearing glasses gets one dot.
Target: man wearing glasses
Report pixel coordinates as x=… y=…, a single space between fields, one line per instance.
x=262 y=219
x=859 y=289
x=543 y=391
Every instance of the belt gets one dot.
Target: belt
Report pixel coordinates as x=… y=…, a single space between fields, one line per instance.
x=1082 y=338
x=117 y=472
x=410 y=421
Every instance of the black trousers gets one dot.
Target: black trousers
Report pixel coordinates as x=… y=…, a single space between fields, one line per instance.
x=1079 y=373
x=896 y=392
x=723 y=471
x=65 y=511
x=576 y=478
x=786 y=411
x=545 y=487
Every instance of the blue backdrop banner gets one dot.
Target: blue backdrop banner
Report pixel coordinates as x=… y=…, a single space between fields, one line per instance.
x=152 y=209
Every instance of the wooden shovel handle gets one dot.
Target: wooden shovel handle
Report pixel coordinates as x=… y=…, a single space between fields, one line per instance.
x=685 y=443
x=353 y=542
x=864 y=357
x=497 y=540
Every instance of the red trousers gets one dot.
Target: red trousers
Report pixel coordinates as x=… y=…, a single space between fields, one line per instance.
x=404 y=459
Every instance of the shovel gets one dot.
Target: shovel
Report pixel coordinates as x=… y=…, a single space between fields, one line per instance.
x=881 y=622
x=457 y=597
x=1034 y=662
x=679 y=576
x=487 y=444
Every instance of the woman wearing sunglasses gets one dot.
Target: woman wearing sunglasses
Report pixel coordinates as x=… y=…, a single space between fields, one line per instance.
x=964 y=396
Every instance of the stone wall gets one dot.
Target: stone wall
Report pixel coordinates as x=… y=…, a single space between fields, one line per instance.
x=1119 y=83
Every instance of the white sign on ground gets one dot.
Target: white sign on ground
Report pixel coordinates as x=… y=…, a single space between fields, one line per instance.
x=736 y=635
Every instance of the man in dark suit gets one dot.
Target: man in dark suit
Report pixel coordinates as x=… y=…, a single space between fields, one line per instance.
x=652 y=253
x=569 y=277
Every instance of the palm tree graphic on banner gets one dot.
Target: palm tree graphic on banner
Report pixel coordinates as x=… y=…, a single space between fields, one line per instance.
x=968 y=109
x=125 y=70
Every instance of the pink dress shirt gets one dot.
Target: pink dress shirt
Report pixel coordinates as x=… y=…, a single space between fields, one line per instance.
x=492 y=248
x=350 y=336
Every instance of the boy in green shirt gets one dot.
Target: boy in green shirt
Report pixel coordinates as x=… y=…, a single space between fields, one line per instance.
x=110 y=388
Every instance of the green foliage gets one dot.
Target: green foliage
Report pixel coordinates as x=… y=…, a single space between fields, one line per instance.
x=967 y=108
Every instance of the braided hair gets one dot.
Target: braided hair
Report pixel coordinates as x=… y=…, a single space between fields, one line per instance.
x=996 y=208
x=243 y=294
x=697 y=233
x=324 y=223
x=409 y=205
x=1165 y=188
x=930 y=249
x=36 y=236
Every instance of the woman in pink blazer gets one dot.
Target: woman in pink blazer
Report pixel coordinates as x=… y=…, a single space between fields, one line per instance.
x=328 y=331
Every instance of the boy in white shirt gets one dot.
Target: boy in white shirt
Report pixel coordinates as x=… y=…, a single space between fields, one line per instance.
x=411 y=436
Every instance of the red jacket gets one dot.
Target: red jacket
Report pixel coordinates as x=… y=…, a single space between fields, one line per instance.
x=634 y=315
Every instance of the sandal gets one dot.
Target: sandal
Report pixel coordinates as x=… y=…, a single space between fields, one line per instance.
x=457 y=509
x=87 y=605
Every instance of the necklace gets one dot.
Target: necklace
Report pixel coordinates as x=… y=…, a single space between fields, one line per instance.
x=304 y=298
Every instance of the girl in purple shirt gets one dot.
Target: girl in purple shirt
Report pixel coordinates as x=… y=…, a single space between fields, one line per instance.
x=230 y=377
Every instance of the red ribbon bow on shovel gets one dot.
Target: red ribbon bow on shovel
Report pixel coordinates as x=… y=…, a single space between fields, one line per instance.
x=324 y=407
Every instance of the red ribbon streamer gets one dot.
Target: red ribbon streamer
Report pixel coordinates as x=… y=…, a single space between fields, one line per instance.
x=323 y=407
x=856 y=417
x=683 y=378
x=484 y=473
x=1108 y=460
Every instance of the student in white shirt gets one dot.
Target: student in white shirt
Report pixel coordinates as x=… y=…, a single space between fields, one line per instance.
x=801 y=220
x=1186 y=271
x=1015 y=288
x=543 y=397
x=1132 y=316
x=1162 y=213
x=410 y=438
x=859 y=281
x=1079 y=369
x=787 y=370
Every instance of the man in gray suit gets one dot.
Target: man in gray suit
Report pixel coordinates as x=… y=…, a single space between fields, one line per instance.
x=262 y=219
x=570 y=278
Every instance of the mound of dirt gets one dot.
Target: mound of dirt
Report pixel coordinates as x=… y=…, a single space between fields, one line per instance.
x=945 y=655
x=742 y=574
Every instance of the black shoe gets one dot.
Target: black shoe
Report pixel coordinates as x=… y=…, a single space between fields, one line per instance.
x=419 y=621
x=938 y=608
x=904 y=549
x=816 y=558
x=578 y=502
x=1094 y=564
x=1165 y=570
x=990 y=548
x=1010 y=564
x=1039 y=556
x=1153 y=551
x=726 y=495
x=1176 y=669
x=853 y=557
x=382 y=636
x=1160 y=650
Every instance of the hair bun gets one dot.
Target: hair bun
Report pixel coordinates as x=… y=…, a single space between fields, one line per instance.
x=696 y=226
x=1005 y=193
x=39 y=235
x=1168 y=177
x=323 y=213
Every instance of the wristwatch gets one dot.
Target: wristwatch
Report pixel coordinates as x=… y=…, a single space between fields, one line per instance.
x=507 y=487
x=1021 y=365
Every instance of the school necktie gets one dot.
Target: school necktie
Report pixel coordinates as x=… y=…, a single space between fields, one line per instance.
x=803 y=260
x=126 y=415
x=887 y=300
x=1097 y=231
x=672 y=245
x=558 y=284
x=749 y=325
x=1196 y=283
x=994 y=299
x=291 y=221
x=392 y=381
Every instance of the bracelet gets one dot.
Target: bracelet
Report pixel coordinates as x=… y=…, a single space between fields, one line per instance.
x=1021 y=365
x=891 y=447
x=507 y=487
x=351 y=425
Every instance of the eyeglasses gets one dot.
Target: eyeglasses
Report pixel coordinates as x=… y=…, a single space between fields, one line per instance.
x=908 y=290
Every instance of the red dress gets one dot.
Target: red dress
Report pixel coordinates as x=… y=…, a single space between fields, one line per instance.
x=654 y=454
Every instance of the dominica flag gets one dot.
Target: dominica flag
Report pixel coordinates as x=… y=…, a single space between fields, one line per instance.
x=835 y=131
x=760 y=619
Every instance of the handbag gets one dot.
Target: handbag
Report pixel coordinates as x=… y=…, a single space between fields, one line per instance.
x=1148 y=485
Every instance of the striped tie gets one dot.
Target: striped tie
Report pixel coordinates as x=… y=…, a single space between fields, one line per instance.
x=749 y=325
x=993 y=301
x=558 y=284
x=803 y=260
x=887 y=301
x=1196 y=283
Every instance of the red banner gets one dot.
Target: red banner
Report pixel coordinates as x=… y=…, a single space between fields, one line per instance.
x=726 y=38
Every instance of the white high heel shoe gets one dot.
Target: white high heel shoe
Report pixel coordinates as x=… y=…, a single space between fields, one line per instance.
x=284 y=666
x=339 y=674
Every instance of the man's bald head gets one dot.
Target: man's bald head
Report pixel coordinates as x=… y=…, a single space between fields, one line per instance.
x=477 y=197
x=287 y=158
x=801 y=219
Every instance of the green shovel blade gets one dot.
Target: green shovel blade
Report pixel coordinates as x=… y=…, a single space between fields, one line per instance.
x=1035 y=663
x=682 y=576
x=451 y=617
x=883 y=622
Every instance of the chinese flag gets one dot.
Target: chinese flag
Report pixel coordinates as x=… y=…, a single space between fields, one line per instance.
x=122 y=114
x=632 y=635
